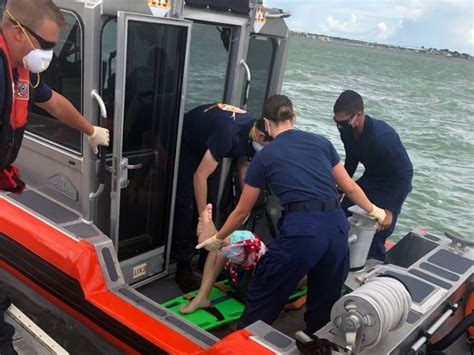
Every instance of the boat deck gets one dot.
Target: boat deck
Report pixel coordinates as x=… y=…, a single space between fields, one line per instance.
x=288 y=322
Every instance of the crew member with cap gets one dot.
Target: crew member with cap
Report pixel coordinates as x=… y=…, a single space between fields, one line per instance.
x=388 y=170
x=302 y=169
x=211 y=132
x=30 y=30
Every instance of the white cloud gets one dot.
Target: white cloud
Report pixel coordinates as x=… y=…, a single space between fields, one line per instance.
x=383 y=31
x=470 y=36
x=410 y=10
x=340 y=26
x=434 y=23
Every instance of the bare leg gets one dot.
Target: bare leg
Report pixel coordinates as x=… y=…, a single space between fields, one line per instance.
x=213 y=267
x=303 y=282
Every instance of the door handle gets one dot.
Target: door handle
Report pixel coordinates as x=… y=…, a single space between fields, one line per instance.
x=134 y=167
x=102 y=150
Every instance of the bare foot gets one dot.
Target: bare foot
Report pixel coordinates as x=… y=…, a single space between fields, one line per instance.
x=208 y=227
x=195 y=304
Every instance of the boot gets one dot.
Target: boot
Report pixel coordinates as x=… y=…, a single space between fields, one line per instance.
x=7 y=349
x=186 y=279
x=6 y=334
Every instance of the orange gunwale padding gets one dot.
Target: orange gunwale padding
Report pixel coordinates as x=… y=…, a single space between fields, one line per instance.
x=238 y=343
x=78 y=259
x=71 y=311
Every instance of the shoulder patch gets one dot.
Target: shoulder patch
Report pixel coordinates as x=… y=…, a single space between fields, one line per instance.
x=22 y=90
x=230 y=108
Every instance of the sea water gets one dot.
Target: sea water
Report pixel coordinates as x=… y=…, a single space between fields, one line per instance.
x=427 y=99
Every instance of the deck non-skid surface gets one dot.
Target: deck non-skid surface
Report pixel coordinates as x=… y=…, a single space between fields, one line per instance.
x=45 y=207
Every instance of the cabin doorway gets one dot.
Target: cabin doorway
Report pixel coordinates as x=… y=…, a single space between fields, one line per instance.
x=144 y=66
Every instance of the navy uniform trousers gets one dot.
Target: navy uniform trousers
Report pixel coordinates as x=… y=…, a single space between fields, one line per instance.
x=313 y=243
x=184 y=231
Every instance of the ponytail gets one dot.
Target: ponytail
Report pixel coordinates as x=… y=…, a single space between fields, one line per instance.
x=278 y=108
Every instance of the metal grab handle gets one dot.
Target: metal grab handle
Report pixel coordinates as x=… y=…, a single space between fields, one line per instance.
x=103 y=109
x=102 y=150
x=247 y=83
x=422 y=340
x=134 y=167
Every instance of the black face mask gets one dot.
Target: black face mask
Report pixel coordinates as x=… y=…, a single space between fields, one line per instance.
x=345 y=130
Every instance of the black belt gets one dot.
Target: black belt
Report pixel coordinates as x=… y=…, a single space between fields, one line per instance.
x=311 y=205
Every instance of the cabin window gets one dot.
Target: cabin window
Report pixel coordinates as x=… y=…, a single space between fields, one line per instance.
x=208 y=60
x=260 y=60
x=109 y=69
x=64 y=75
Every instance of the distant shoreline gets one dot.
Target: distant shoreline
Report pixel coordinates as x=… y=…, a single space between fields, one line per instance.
x=443 y=52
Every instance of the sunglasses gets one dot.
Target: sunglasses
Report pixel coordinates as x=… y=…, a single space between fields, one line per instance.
x=44 y=44
x=345 y=123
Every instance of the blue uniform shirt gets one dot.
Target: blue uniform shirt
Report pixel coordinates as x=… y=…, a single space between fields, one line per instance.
x=388 y=169
x=297 y=165
x=224 y=133
x=41 y=94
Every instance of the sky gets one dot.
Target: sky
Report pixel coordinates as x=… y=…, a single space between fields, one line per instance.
x=441 y=24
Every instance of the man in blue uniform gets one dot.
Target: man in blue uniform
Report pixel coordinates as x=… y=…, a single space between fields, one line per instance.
x=302 y=169
x=388 y=170
x=211 y=132
x=29 y=32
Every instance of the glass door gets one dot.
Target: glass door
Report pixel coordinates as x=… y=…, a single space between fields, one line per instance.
x=149 y=93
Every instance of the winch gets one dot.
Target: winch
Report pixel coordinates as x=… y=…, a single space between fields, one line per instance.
x=363 y=317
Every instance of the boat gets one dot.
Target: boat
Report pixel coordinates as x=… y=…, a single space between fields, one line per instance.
x=89 y=239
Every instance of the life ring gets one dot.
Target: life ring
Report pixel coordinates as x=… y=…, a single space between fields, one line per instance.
x=469 y=310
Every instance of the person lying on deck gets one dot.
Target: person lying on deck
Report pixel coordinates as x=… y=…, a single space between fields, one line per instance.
x=238 y=256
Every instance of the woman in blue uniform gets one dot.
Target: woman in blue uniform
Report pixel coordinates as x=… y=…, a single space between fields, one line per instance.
x=211 y=132
x=302 y=169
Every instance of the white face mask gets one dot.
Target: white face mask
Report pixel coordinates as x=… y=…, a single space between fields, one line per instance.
x=38 y=60
x=257 y=146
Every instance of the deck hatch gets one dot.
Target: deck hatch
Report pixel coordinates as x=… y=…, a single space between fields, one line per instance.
x=409 y=250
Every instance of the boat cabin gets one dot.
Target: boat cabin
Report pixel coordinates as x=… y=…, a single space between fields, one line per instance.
x=135 y=67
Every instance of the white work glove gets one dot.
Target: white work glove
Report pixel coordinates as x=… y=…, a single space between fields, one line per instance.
x=211 y=244
x=100 y=136
x=378 y=213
